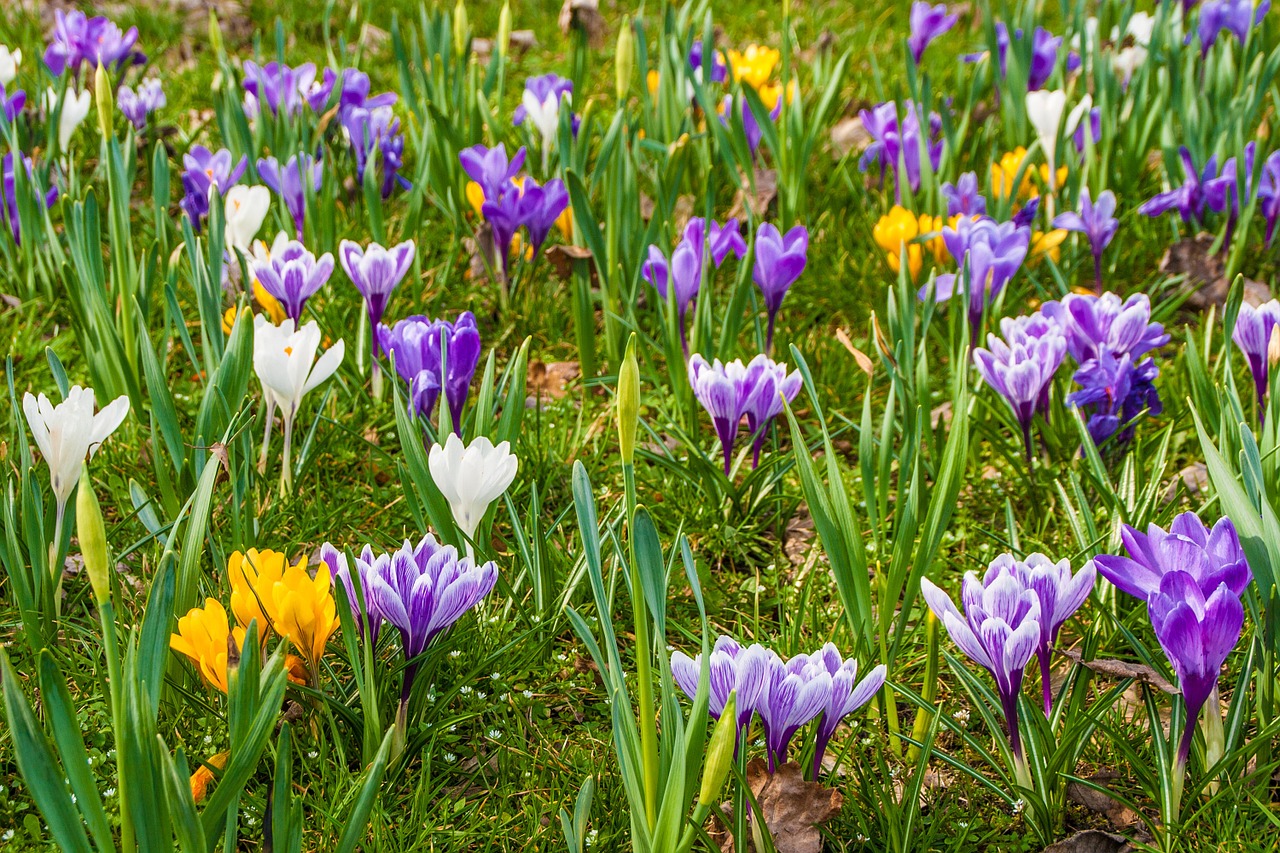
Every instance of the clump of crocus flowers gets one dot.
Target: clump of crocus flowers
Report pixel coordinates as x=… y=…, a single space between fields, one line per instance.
x=1255 y=335
x=731 y=392
x=896 y=141
x=679 y=275
x=509 y=203
x=434 y=357
x=786 y=695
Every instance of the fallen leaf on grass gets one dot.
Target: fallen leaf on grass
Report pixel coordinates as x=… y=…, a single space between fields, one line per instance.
x=1117 y=814
x=1124 y=669
x=759 y=199
x=563 y=258
x=550 y=380
x=792 y=808
x=1196 y=479
x=797 y=539
x=1091 y=841
x=864 y=361
x=1205 y=281
x=849 y=136
x=585 y=16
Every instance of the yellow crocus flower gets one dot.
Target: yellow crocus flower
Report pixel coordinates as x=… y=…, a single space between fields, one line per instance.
x=202 y=637
x=895 y=229
x=203 y=776
x=475 y=197
x=304 y=609
x=935 y=244
x=1046 y=243
x=1004 y=172
x=769 y=94
x=253 y=575
x=754 y=66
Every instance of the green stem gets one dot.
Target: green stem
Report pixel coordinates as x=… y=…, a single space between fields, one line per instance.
x=107 y=616
x=644 y=650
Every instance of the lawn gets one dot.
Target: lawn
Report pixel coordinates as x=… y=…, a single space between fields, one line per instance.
x=781 y=426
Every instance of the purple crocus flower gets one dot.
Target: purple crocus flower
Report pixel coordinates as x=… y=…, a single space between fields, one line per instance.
x=963 y=197
x=423 y=591
x=927 y=23
x=1235 y=16
x=1252 y=333
x=847 y=695
x=1197 y=633
x=682 y=275
x=420 y=346
x=138 y=106
x=290 y=183
x=504 y=214
x=489 y=167
x=1115 y=389
x=723 y=390
x=733 y=669
x=11 y=105
x=540 y=207
x=355 y=93
x=722 y=239
x=1044 y=56
x=719 y=71
x=770 y=387
x=373 y=132
x=341 y=571
x=750 y=127
x=375 y=272
x=1269 y=193
x=1094 y=123
x=79 y=39
x=897 y=144
x=546 y=87
x=1190 y=199
x=991 y=252
x=1097 y=324
x=1025 y=216
x=780 y=259
x=279 y=88
x=795 y=693
x=10 y=209
x=1021 y=367
x=203 y=171
x=293 y=275
x=1097 y=222
x=1000 y=630
x=1060 y=594
x=1210 y=557
x=1223 y=193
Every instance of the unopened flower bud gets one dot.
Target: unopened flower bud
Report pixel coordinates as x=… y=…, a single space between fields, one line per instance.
x=93 y=540
x=624 y=60
x=720 y=753
x=215 y=32
x=504 y=30
x=461 y=28
x=103 y=99
x=628 y=402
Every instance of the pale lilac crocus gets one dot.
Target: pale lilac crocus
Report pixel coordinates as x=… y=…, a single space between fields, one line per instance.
x=1022 y=366
x=432 y=356
x=1254 y=329
x=138 y=106
x=78 y=39
x=1097 y=221
x=1269 y=194
x=780 y=259
x=847 y=695
x=490 y=168
x=364 y=567
x=963 y=197
x=795 y=693
x=723 y=240
x=723 y=390
x=1096 y=324
x=991 y=253
x=1060 y=594
x=376 y=272
x=281 y=89
x=769 y=389
x=681 y=276
x=203 y=171
x=291 y=181
x=999 y=630
x=292 y=274
x=733 y=669
x=928 y=22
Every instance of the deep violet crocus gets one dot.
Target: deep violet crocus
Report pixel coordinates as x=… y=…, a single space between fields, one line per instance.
x=290 y=183
x=490 y=168
x=293 y=275
x=341 y=569
x=779 y=261
x=376 y=272
x=421 y=346
x=78 y=39
x=847 y=695
x=963 y=197
x=375 y=136
x=1190 y=200
x=11 y=104
x=1097 y=221
x=1060 y=593
x=896 y=143
x=1235 y=16
x=732 y=668
x=540 y=207
x=1269 y=194
x=1021 y=367
x=10 y=209
x=795 y=693
x=927 y=23
x=204 y=170
x=1115 y=390
x=999 y=630
x=1210 y=556
x=1253 y=332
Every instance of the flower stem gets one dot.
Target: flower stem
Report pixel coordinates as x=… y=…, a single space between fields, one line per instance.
x=286 y=469
x=1045 y=687
x=644 y=651
x=266 y=437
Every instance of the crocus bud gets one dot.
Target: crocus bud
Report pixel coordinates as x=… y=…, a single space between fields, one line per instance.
x=504 y=30
x=215 y=32
x=724 y=738
x=461 y=26
x=628 y=402
x=624 y=60
x=103 y=99
x=1273 y=347
x=93 y=540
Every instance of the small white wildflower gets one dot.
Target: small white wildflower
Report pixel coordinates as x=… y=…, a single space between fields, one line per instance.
x=450 y=757
x=1018 y=807
x=561 y=656
x=480 y=694
x=466 y=690
x=313 y=754
x=962 y=716
x=504 y=697
x=8 y=835
x=456 y=653
x=109 y=793
x=453 y=728
x=528 y=694
x=208 y=739
x=495 y=676
x=494 y=734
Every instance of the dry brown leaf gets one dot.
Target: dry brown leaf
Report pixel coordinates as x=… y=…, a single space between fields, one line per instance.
x=864 y=361
x=1205 y=281
x=562 y=258
x=848 y=136
x=1117 y=814
x=1124 y=669
x=584 y=15
x=797 y=539
x=766 y=190
x=549 y=380
x=792 y=808
x=1091 y=841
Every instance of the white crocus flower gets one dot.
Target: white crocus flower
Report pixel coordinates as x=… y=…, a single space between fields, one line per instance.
x=9 y=62
x=285 y=360
x=545 y=116
x=1044 y=110
x=75 y=108
x=246 y=209
x=66 y=434
x=471 y=478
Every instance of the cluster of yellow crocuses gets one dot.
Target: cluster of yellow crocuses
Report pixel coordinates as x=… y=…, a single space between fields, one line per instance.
x=754 y=67
x=284 y=599
x=900 y=227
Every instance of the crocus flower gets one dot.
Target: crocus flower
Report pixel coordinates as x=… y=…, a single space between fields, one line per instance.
x=202 y=637
x=1045 y=111
x=733 y=669
x=9 y=62
x=490 y=168
x=285 y=360
x=285 y=598
x=1235 y=16
x=721 y=240
x=750 y=127
x=365 y=567
x=780 y=259
x=1190 y=199
x=73 y=109
x=278 y=87
x=897 y=144
x=723 y=391
x=1097 y=222
x=471 y=477
x=375 y=272
x=423 y=591
x=138 y=106
x=79 y=39
x=1269 y=194
x=1209 y=557
x=66 y=434
x=246 y=208
x=847 y=695
x=1021 y=367
x=1254 y=329
x=420 y=346
x=1115 y=389
x=1197 y=633
x=1060 y=594
x=376 y=132
x=927 y=23
x=10 y=209
x=11 y=104
x=681 y=276
x=795 y=693
x=1093 y=126
x=754 y=66
x=291 y=181
x=769 y=388
x=999 y=630
x=540 y=208
x=963 y=197
x=540 y=104
x=1097 y=324
x=504 y=214
x=202 y=171
x=293 y=275
x=719 y=71
x=991 y=252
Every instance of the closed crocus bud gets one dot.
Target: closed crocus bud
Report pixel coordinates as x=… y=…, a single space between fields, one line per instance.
x=215 y=32
x=624 y=60
x=628 y=402
x=504 y=30
x=93 y=540
x=461 y=27
x=103 y=99
x=1273 y=347
x=720 y=753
